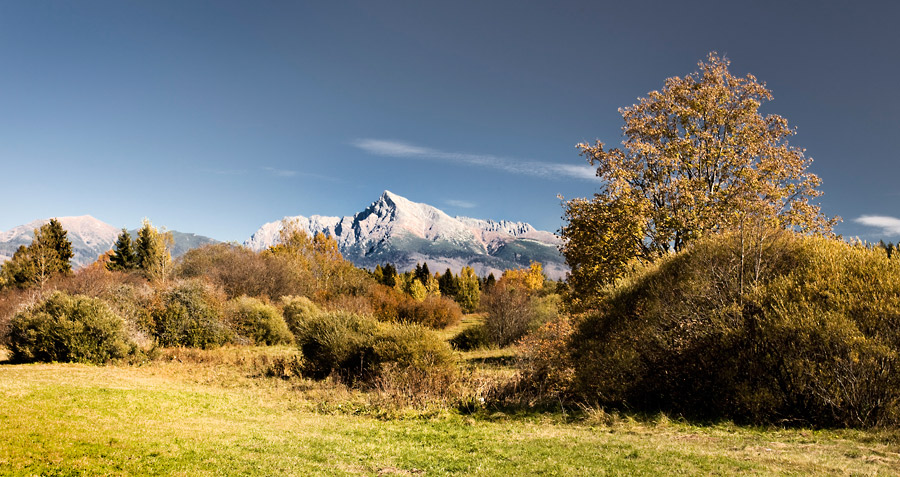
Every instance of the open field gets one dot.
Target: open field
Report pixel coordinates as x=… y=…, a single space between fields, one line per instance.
x=205 y=413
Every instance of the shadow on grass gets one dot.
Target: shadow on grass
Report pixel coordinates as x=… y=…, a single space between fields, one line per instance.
x=494 y=360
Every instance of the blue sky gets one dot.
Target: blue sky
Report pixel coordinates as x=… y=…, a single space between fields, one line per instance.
x=215 y=117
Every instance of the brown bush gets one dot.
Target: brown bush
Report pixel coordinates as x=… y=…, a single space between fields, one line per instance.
x=13 y=300
x=386 y=302
x=240 y=271
x=390 y=305
x=94 y=281
x=545 y=361
x=509 y=313
x=434 y=311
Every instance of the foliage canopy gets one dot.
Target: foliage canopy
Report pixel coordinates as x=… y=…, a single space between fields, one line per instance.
x=697 y=157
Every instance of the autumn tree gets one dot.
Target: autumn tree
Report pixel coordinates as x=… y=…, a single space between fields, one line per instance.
x=432 y=286
x=318 y=268
x=697 y=158
x=530 y=279
x=417 y=290
x=468 y=293
x=153 y=255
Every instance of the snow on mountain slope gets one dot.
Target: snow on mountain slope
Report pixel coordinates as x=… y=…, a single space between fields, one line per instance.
x=397 y=230
x=90 y=237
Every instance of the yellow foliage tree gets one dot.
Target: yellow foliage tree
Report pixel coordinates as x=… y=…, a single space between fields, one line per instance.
x=531 y=278
x=697 y=158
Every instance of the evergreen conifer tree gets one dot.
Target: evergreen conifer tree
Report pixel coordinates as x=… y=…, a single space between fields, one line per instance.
x=448 y=285
x=489 y=281
x=48 y=255
x=54 y=237
x=390 y=275
x=123 y=256
x=153 y=255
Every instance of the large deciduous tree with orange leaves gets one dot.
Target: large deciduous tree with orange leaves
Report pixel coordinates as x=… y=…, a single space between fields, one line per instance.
x=697 y=158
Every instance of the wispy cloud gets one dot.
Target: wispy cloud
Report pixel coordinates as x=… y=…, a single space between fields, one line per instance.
x=888 y=225
x=225 y=172
x=461 y=203
x=280 y=172
x=399 y=149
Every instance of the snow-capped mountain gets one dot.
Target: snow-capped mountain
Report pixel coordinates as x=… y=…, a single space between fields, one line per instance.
x=396 y=230
x=90 y=238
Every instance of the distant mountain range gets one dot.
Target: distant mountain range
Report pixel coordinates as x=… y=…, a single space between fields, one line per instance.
x=90 y=238
x=392 y=229
x=396 y=230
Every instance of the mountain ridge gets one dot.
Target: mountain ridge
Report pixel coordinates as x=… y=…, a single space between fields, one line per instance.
x=90 y=238
x=397 y=230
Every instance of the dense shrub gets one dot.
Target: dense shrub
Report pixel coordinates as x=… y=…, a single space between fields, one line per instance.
x=298 y=309
x=433 y=311
x=337 y=342
x=258 y=322
x=188 y=313
x=386 y=302
x=545 y=365
x=415 y=347
x=68 y=328
x=360 y=348
x=509 y=314
x=240 y=271
x=12 y=300
x=414 y=365
x=473 y=337
x=784 y=329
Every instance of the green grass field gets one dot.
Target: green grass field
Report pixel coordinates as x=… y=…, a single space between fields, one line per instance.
x=210 y=413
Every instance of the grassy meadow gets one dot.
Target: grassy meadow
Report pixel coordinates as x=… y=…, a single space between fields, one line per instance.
x=194 y=412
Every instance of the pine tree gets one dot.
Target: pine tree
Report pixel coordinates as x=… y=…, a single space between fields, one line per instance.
x=123 y=256
x=48 y=255
x=448 y=284
x=489 y=281
x=54 y=237
x=153 y=255
x=378 y=274
x=390 y=275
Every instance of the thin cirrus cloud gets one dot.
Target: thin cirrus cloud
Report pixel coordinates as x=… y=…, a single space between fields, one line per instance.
x=280 y=172
x=461 y=203
x=292 y=173
x=888 y=225
x=548 y=170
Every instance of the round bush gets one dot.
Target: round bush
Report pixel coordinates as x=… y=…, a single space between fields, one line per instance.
x=787 y=329
x=298 y=309
x=258 y=322
x=337 y=342
x=68 y=328
x=189 y=313
x=471 y=338
x=413 y=346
